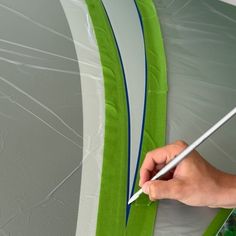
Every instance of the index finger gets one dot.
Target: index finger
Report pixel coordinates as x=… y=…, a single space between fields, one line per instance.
x=157 y=157
x=152 y=159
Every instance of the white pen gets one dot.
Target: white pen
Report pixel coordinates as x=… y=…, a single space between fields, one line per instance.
x=187 y=150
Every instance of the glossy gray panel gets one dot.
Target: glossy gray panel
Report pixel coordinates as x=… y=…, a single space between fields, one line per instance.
x=41 y=128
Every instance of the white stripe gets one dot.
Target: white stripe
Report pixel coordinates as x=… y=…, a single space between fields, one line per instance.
x=232 y=2
x=93 y=113
x=128 y=32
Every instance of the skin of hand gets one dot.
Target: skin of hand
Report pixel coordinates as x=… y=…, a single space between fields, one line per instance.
x=193 y=181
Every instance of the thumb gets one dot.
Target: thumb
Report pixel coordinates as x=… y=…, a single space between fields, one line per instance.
x=161 y=189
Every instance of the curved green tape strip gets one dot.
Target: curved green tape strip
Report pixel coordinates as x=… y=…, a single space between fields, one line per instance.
x=217 y=222
x=143 y=212
x=112 y=203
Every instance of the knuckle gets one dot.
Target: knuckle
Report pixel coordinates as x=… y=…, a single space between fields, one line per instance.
x=153 y=194
x=148 y=154
x=141 y=171
x=181 y=143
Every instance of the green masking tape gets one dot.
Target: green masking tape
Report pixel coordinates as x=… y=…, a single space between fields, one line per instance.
x=143 y=212
x=217 y=222
x=113 y=194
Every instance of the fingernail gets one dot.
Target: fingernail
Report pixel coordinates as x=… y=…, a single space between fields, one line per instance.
x=145 y=188
x=140 y=183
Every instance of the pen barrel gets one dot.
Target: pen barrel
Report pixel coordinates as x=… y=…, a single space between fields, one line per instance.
x=195 y=144
x=186 y=151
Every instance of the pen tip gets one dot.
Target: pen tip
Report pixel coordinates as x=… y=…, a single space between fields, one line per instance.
x=131 y=200
x=135 y=196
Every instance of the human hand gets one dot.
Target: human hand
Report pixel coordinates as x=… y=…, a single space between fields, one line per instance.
x=193 y=181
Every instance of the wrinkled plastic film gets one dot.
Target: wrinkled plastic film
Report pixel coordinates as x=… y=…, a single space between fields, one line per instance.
x=52 y=107
x=199 y=38
x=44 y=143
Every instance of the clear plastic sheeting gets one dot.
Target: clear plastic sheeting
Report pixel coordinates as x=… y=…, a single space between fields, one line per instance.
x=52 y=106
x=200 y=43
x=41 y=123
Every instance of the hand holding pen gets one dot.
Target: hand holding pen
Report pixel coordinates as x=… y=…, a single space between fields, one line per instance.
x=175 y=160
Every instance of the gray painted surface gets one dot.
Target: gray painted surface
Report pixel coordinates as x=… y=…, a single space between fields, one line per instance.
x=199 y=38
x=41 y=128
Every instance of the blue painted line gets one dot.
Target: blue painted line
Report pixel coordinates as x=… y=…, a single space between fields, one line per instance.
x=144 y=109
